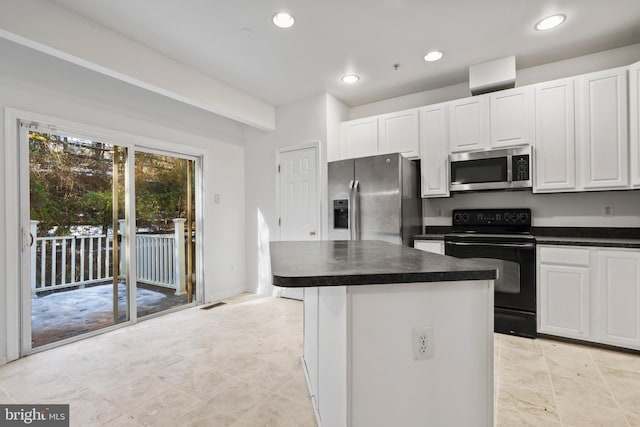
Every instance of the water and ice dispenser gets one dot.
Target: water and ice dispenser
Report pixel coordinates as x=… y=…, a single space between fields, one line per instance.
x=341 y=213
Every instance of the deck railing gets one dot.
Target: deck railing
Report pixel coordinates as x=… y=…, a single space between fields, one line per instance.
x=72 y=261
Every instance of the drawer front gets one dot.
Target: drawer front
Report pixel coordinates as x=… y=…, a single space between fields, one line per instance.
x=434 y=246
x=563 y=255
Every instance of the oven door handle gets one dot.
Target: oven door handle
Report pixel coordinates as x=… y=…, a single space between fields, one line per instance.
x=500 y=245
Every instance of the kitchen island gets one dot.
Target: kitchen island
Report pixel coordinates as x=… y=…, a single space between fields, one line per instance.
x=392 y=335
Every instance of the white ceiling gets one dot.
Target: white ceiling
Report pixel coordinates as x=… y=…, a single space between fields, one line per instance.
x=235 y=41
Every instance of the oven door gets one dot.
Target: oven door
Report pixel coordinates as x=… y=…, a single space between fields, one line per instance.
x=515 y=287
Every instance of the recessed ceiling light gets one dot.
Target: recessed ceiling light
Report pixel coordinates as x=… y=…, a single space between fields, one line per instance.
x=349 y=78
x=550 y=22
x=434 y=55
x=283 y=20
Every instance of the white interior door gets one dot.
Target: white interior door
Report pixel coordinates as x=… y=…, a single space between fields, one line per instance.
x=299 y=205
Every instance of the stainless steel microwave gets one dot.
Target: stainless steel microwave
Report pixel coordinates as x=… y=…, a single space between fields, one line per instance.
x=508 y=168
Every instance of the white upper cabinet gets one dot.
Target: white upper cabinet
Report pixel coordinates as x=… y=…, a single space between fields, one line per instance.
x=634 y=123
x=512 y=117
x=585 y=132
x=388 y=133
x=469 y=124
x=601 y=129
x=555 y=150
x=359 y=138
x=399 y=133
x=434 y=152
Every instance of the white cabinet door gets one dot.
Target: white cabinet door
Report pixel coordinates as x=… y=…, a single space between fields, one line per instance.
x=434 y=246
x=564 y=300
x=359 y=138
x=564 y=291
x=601 y=103
x=399 y=133
x=619 y=297
x=434 y=153
x=555 y=151
x=512 y=120
x=634 y=124
x=469 y=124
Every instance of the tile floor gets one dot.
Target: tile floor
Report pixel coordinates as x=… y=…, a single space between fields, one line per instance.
x=239 y=365
x=549 y=383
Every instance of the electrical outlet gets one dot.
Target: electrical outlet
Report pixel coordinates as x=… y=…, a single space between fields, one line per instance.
x=607 y=209
x=422 y=343
x=216 y=198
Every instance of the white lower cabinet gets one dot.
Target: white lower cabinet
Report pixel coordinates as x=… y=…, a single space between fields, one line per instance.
x=434 y=246
x=564 y=300
x=590 y=293
x=619 y=297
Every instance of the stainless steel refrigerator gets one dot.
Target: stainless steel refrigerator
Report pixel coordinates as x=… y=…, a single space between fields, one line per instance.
x=375 y=198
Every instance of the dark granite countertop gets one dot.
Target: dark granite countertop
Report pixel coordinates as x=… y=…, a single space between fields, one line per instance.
x=612 y=237
x=607 y=237
x=588 y=241
x=429 y=237
x=365 y=262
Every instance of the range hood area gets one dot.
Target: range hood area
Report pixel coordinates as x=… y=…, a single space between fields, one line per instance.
x=492 y=76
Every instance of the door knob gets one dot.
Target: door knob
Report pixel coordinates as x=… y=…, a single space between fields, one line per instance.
x=312 y=233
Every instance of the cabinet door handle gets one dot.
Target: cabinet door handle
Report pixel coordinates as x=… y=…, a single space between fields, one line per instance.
x=312 y=233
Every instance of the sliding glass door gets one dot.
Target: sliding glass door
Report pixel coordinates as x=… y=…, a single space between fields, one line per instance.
x=110 y=234
x=165 y=232
x=78 y=281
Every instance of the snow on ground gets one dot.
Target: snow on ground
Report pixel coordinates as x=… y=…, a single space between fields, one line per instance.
x=69 y=313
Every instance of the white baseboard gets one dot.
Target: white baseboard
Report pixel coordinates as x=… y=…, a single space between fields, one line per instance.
x=222 y=295
x=3 y=360
x=314 y=401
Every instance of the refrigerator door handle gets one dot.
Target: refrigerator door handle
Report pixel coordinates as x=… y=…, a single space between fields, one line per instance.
x=351 y=207
x=356 y=211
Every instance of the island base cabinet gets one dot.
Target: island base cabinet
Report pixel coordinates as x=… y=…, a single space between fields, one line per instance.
x=310 y=333
x=454 y=387
x=367 y=375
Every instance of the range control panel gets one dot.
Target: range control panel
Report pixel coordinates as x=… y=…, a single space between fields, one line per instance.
x=491 y=217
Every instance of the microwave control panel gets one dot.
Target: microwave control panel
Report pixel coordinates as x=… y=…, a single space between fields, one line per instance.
x=520 y=167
